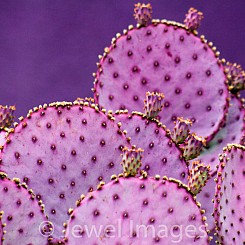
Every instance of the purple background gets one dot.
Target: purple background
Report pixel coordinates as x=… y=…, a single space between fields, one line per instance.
x=49 y=48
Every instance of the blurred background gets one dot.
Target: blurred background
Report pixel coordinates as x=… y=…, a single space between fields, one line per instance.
x=49 y=48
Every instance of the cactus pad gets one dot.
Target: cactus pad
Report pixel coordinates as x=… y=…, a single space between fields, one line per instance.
x=138 y=211
x=229 y=201
x=164 y=57
x=161 y=155
x=62 y=151
x=231 y=131
x=23 y=216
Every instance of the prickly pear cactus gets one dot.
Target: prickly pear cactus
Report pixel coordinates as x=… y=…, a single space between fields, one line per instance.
x=232 y=131
x=25 y=222
x=229 y=196
x=62 y=151
x=138 y=211
x=161 y=155
x=164 y=57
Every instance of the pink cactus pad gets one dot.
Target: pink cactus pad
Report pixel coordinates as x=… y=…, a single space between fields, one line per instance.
x=231 y=131
x=25 y=222
x=138 y=211
x=161 y=155
x=62 y=151
x=229 y=201
x=164 y=57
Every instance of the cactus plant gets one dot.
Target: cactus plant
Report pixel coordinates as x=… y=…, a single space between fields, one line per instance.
x=229 y=196
x=61 y=151
x=22 y=215
x=163 y=57
x=138 y=211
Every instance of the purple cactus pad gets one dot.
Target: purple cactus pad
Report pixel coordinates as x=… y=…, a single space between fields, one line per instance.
x=164 y=57
x=161 y=155
x=62 y=151
x=229 y=201
x=138 y=211
x=24 y=218
x=232 y=131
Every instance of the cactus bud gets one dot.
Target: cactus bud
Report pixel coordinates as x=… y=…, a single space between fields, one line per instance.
x=193 y=147
x=199 y=174
x=142 y=13
x=181 y=130
x=193 y=19
x=131 y=161
x=153 y=104
x=6 y=116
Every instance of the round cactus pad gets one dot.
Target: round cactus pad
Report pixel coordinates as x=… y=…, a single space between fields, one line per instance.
x=138 y=211
x=161 y=155
x=62 y=151
x=22 y=216
x=229 y=201
x=164 y=57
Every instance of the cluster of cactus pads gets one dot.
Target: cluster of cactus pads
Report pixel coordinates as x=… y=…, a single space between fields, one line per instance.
x=156 y=156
